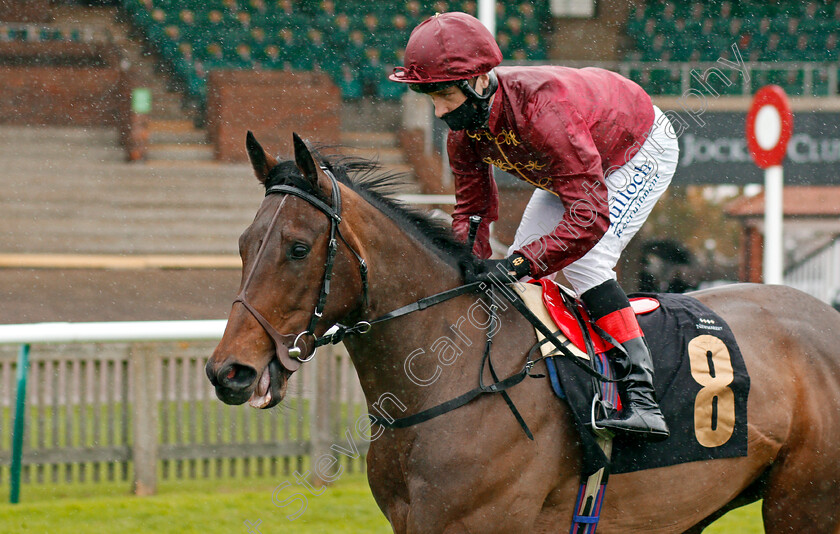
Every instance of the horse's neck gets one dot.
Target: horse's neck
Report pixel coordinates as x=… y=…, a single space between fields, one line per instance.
x=403 y=270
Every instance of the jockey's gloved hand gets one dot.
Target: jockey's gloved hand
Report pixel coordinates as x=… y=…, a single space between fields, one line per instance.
x=503 y=271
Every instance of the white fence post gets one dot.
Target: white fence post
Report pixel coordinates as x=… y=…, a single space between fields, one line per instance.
x=320 y=412
x=145 y=376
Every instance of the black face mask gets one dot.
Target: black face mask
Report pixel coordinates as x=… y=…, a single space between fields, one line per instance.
x=467 y=116
x=474 y=113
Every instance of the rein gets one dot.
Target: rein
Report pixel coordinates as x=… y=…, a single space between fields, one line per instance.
x=363 y=326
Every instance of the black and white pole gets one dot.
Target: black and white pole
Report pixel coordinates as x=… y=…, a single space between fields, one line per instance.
x=769 y=128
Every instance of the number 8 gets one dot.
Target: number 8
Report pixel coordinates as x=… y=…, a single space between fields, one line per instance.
x=708 y=356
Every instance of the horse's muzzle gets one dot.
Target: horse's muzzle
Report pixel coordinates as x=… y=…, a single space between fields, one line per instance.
x=234 y=382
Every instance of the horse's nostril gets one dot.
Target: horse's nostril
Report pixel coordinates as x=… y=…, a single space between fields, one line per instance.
x=236 y=376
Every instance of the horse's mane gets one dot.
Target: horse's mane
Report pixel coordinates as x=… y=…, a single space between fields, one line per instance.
x=365 y=177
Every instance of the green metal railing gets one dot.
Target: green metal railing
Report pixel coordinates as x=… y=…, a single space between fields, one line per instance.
x=19 y=424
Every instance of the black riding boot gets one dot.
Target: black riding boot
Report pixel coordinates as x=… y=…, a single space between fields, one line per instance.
x=641 y=417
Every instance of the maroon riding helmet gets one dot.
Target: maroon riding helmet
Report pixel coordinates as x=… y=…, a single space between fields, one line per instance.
x=446 y=48
x=450 y=49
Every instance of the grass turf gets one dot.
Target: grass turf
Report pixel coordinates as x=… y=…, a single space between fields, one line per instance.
x=209 y=506
x=196 y=507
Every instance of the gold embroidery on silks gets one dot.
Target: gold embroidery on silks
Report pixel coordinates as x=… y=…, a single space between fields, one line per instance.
x=507 y=167
x=505 y=136
x=531 y=166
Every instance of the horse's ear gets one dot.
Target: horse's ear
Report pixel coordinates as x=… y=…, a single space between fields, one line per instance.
x=260 y=161
x=304 y=161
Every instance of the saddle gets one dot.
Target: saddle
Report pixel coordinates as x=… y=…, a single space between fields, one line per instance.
x=556 y=307
x=556 y=302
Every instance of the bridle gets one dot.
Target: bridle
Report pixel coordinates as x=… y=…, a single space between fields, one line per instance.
x=294 y=357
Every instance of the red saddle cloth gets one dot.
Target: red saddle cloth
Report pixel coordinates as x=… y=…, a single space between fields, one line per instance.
x=567 y=323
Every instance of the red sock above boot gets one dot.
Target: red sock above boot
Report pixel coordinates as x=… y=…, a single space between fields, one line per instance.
x=621 y=324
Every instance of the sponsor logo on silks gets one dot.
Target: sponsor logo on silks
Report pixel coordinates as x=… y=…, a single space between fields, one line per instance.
x=708 y=324
x=624 y=204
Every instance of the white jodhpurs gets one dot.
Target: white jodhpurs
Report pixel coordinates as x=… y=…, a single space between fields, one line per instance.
x=633 y=190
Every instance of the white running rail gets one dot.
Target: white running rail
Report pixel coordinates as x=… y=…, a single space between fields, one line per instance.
x=111 y=332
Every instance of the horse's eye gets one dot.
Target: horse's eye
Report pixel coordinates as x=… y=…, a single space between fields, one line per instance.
x=298 y=251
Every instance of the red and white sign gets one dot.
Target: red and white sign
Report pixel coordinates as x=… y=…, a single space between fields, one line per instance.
x=769 y=126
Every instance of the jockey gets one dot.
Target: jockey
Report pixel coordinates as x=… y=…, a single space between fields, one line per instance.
x=596 y=149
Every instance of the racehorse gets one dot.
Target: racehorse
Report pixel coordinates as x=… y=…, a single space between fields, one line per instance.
x=473 y=469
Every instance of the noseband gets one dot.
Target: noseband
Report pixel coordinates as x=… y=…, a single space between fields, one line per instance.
x=294 y=356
